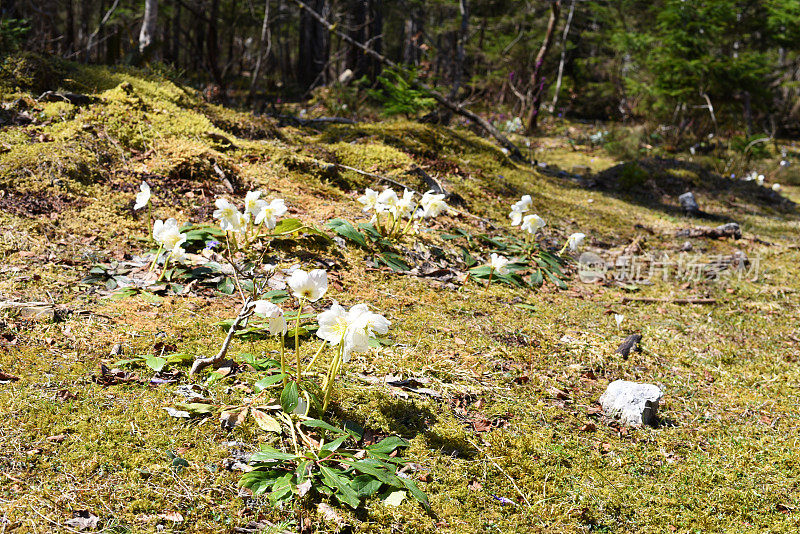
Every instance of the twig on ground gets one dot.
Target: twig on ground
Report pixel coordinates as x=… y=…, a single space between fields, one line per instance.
x=513 y=483
x=650 y=300
x=248 y=308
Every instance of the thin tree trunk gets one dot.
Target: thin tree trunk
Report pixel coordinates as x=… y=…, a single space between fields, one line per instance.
x=148 y=32
x=314 y=46
x=212 y=44
x=70 y=28
x=563 y=54
x=265 y=39
x=103 y=21
x=536 y=84
x=440 y=98
x=458 y=71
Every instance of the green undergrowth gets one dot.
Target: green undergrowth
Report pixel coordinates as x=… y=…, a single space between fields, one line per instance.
x=503 y=430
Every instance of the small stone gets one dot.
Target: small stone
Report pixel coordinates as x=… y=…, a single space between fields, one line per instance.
x=116 y=350
x=687 y=246
x=730 y=229
x=632 y=403
x=688 y=203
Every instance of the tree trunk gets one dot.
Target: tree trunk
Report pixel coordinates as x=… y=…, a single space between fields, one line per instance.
x=314 y=46
x=264 y=49
x=412 y=36
x=147 y=35
x=69 y=34
x=536 y=84
x=458 y=70
x=212 y=45
x=365 y=25
x=563 y=54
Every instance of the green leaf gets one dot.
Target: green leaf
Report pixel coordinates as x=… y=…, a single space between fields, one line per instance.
x=395 y=498
x=366 y=485
x=290 y=396
x=394 y=261
x=260 y=480
x=277 y=296
x=268 y=381
x=348 y=231
x=316 y=423
x=388 y=444
x=335 y=444
x=417 y=493
x=226 y=286
x=354 y=429
x=557 y=281
x=268 y=454
x=377 y=469
x=150 y=297
x=523 y=306
x=536 y=279
x=156 y=363
x=281 y=489
x=344 y=492
x=287 y=226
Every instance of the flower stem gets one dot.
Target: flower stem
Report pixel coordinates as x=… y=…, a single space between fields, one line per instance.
x=155 y=260
x=314 y=359
x=283 y=360
x=166 y=264
x=491 y=272
x=332 y=370
x=297 y=339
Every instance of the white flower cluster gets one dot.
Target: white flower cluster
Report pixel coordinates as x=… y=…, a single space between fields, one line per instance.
x=257 y=212
x=429 y=206
x=529 y=223
x=169 y=237
x=351 y=329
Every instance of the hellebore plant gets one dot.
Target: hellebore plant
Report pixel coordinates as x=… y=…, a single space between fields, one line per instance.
x=348 y=331
x=390 y=209
x=169 y=237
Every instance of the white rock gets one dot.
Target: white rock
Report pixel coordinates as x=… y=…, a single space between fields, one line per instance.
x=632 y=403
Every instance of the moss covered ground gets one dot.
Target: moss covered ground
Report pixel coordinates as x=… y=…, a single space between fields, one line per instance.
x=514 y=443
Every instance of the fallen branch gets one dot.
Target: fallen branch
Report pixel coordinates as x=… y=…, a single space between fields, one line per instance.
x=731 y=230
x=248 y=309
x=291 y=119
x=440 y=98
x=649 y=300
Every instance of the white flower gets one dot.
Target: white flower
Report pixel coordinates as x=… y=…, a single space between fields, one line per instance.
x=404 y=206
x=143 y=197
x=432 y=205
x=387 y=201
x=760 y=179
x=619 y=318
x=277 y=322
x=575 y=240
x=369 y=199
x=499 y=264
x=178 y=255
x=776 y=187
x=518 y=208
x=351 y=328
x=270 y=212
x=229 y=217
x=167 y=234
x=532 y=223
x=311 y=286
x=252 y=205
